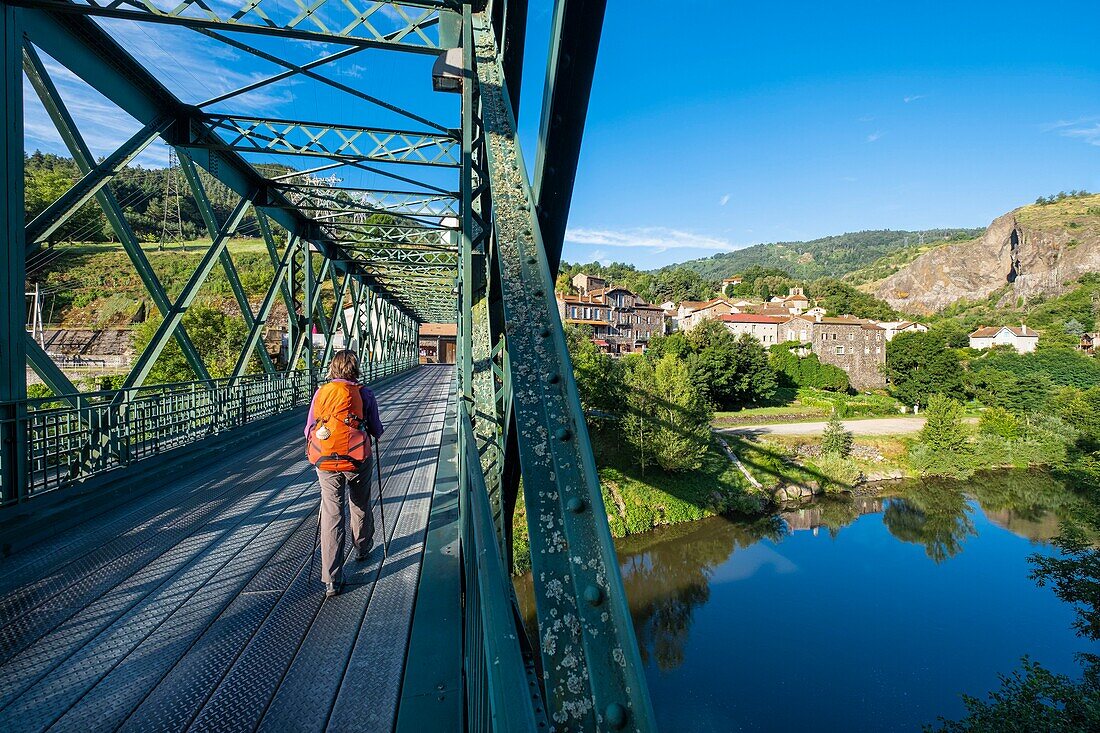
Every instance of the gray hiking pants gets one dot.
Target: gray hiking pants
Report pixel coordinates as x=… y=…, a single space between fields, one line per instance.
x=333 y=485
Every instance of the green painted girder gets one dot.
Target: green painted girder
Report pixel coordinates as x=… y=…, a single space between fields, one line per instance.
x=302 y=70
x=593 y=674
x=379 y=201
x=345 y=142
x=86 y=50
x=410 y=257
x=206 y=210
x=404 y=25
x=256 y=329
x=172 y=319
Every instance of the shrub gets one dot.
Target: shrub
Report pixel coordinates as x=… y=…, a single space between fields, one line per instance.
x=1000 y=422
x=836 y=440
x=806 y=371
x=839 y=473
x=944 y=446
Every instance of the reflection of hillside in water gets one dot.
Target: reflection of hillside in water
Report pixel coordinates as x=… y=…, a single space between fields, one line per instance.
x=667 y=576
x=937 y=513
x=668 y=572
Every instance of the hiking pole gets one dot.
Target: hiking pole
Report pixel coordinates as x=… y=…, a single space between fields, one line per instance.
x=316 y=541
x=381 y=508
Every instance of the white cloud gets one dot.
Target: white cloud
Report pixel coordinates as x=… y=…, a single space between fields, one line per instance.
x=874 y=136
x=1091 y=135
x=656 y=239
x=599 y=255
x=913 y=98
x=724 y=200
x=1086 y=129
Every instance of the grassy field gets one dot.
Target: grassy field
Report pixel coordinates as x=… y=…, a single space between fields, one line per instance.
x=96 y=285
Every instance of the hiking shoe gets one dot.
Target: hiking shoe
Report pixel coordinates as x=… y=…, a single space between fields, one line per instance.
x=332 y=589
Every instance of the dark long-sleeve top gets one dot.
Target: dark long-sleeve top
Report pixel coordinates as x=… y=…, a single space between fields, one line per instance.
x=371 y=420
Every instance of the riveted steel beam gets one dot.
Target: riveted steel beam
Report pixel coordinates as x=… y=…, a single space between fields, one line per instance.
x=13 y=339
x=408 y=24
x=581 y=604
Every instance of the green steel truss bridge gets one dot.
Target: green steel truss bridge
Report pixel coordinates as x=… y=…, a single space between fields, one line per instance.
x=158 y=539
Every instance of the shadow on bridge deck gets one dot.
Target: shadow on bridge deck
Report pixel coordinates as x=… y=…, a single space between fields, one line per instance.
x=191 y=606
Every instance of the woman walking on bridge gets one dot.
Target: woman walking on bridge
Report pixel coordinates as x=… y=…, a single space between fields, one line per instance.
x=342 y=418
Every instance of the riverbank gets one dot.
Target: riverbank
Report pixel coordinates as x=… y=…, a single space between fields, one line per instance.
x=638 y=501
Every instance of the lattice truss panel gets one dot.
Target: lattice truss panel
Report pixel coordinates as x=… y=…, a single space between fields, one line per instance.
x=317 y=119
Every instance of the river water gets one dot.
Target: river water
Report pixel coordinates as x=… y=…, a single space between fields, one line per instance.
x=867 y=614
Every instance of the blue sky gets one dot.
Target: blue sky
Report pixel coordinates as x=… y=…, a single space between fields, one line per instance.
x=715 y=125
x=722 y=124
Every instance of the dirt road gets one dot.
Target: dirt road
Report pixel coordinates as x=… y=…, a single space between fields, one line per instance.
x=872 y=426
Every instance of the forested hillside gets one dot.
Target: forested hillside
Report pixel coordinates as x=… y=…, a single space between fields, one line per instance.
x=833 y=256
x=157 y=202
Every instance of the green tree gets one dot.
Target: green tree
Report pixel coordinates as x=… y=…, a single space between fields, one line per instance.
x=639 y=423
x=597 y=374
x=836 y=440
x=920 y=365
x=46 y=178
x=682 y=434
x=217 y=336
x=944 y=446
x=729 y=371
x=1000 y=422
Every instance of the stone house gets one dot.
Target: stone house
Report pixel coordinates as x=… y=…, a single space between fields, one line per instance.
x=856 y=346
x=585 y=283
x=1021 y=338
x=621 y=322
x=693 y=313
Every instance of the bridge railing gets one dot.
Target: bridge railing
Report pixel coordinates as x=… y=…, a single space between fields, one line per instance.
x=71 y=438
x=500 y=695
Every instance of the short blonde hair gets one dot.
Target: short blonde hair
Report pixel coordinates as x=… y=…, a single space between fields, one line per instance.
x=345 y=365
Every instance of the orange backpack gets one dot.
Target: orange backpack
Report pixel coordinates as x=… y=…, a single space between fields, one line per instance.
x=336 y=440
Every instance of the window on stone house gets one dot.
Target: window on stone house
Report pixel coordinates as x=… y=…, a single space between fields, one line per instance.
x=866 y=349
x=840 y=350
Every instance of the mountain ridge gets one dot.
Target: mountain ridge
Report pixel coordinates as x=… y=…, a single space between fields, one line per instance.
x=834 y=255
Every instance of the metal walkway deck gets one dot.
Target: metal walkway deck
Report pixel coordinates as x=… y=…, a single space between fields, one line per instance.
x=192 y=607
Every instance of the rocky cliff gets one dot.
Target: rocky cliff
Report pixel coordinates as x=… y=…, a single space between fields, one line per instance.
x=1034 y=250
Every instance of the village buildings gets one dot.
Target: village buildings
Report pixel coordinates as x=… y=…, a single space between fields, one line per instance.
x=1021 y=338
x=622 y=322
